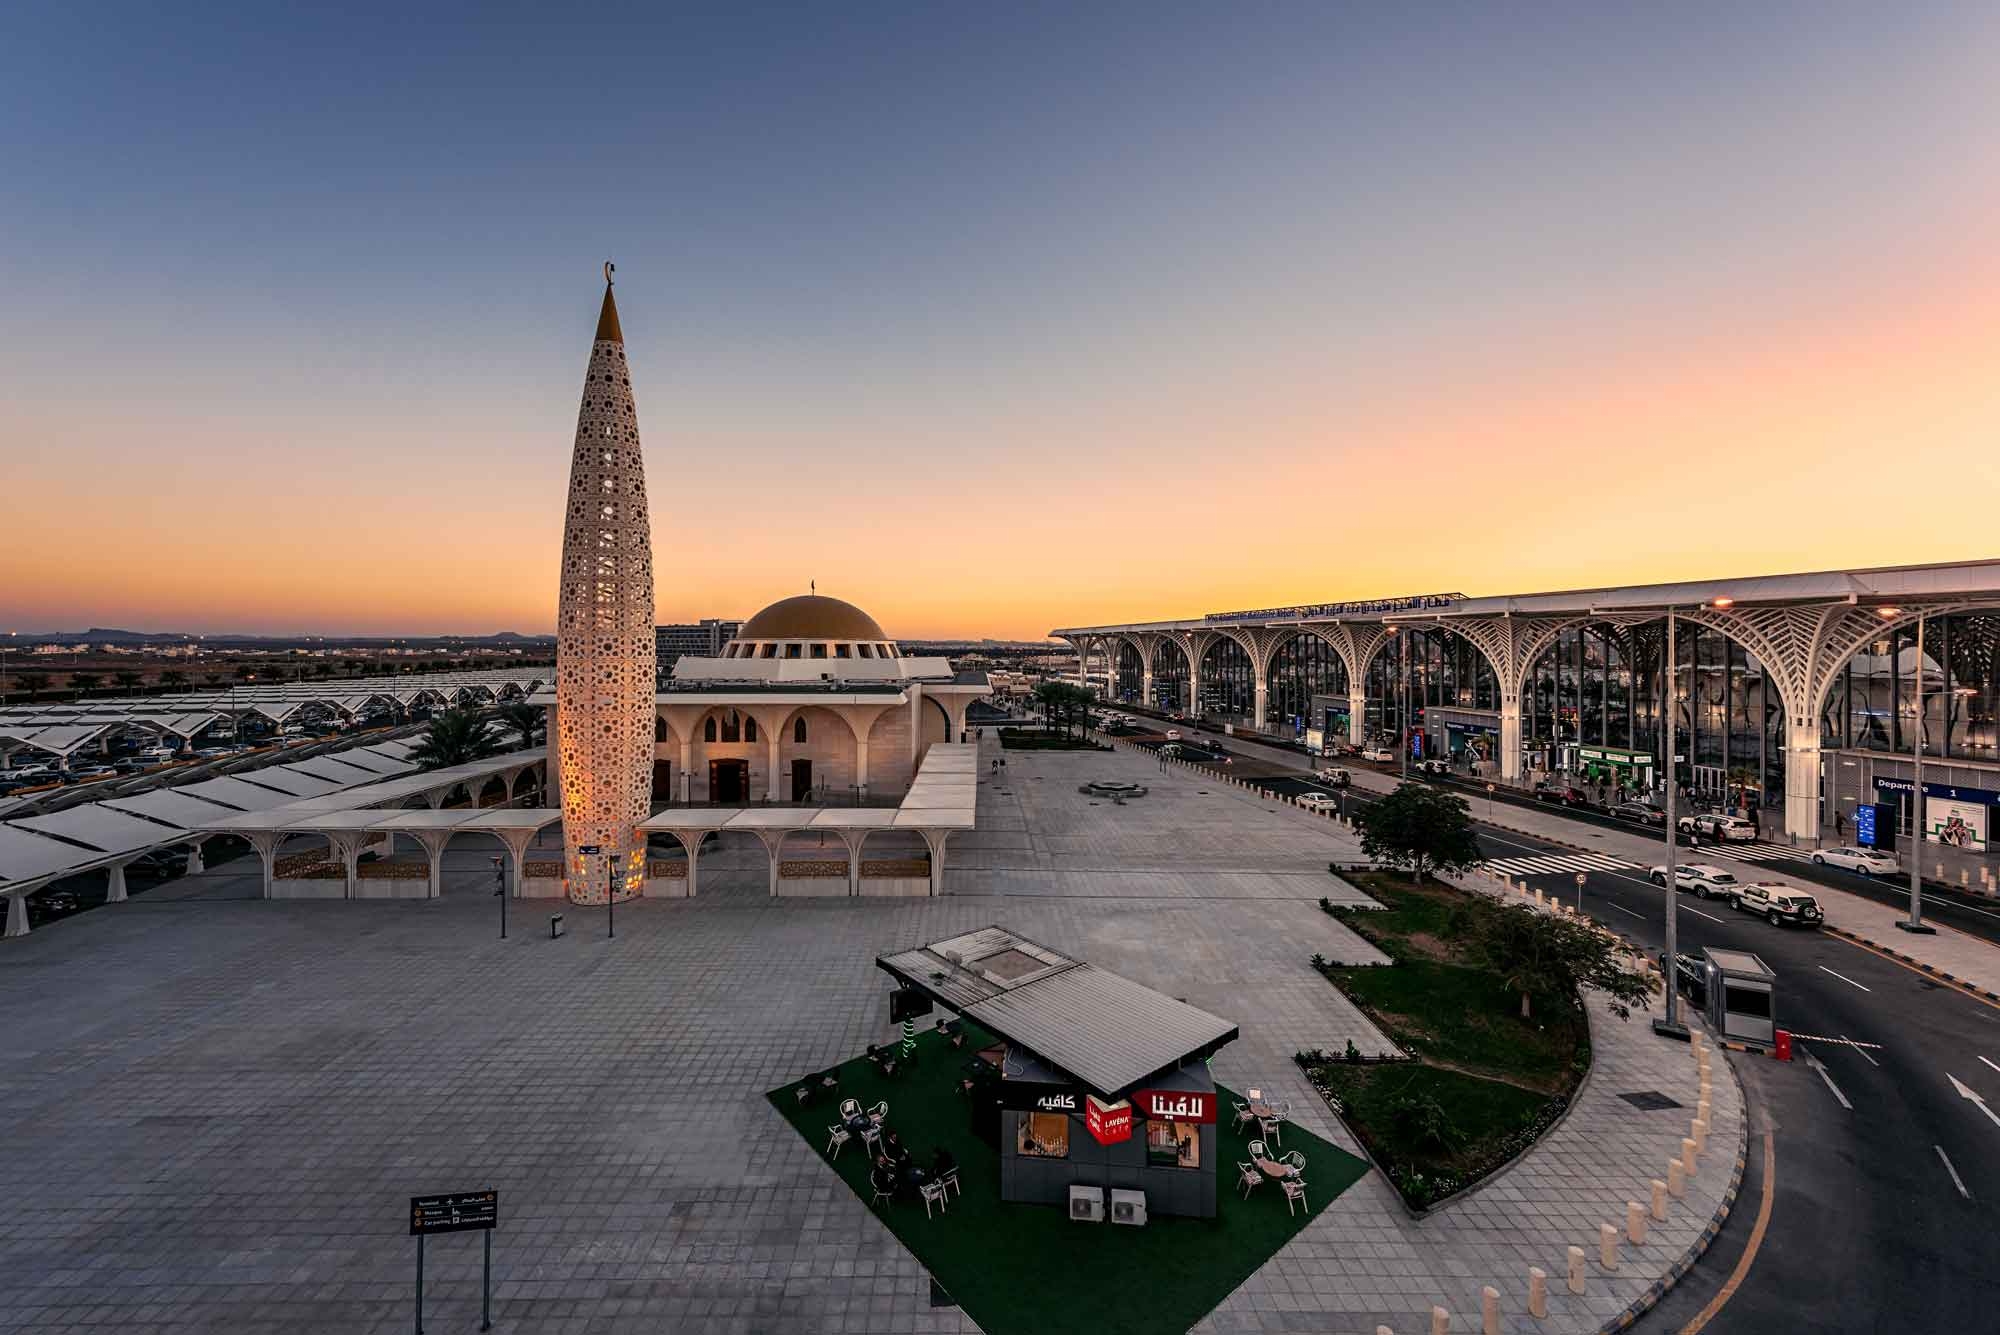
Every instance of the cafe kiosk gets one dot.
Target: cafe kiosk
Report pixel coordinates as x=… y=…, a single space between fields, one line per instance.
x=1105 y=1103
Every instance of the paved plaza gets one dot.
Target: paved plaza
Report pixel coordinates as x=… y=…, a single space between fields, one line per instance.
x=216 y=1107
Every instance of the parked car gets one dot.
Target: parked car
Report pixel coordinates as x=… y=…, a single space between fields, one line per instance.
x=37 y=771
x=1332 y=776
x=1433 y=765
x=157 y=755
x=1173 y=734
x=1643 y=812
x=1715 y=825
x=1545 y=791
x=1382 y=754
x=1704 y=880
x=1779 y=904
x=1860 y=861
x=1317 y=801
x=92 y=773
x=54 y=901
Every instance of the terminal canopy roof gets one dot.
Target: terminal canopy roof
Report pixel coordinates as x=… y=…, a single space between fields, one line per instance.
x=1099 y=1028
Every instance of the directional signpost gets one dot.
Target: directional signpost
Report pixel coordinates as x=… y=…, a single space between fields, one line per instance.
x=456 y=1212
x=1579 y=894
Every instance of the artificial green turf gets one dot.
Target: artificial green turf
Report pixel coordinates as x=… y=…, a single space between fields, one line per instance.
x=1027 y=1268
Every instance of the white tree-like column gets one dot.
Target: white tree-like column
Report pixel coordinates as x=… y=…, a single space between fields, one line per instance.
x=604 y=633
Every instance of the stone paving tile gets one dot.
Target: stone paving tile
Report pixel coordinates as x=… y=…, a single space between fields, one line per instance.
x=216 y=1106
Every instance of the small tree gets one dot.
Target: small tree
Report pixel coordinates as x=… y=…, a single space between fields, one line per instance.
x=522 y=718
x=173 y=677
x=83 y=683
x=127 y=680
x=34 y=683
x=1540 y=954
x=455 y=737
x=1419 y=828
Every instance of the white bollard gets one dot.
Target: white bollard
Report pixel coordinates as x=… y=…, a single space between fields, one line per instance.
x=1489 y=1311
x=1701 y=1135
x=1607 y=1246
x=1702 y=1108
x=1384 y=1330
x=1576 y=1270
x=1659 y=1200
x=1538 y=1291
x=1676 y=1179
x=1440 y=1321
x=1688 y=1151
x=1635 y=1223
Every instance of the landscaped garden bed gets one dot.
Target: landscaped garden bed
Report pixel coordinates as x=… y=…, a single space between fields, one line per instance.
x=1028 y=1269
x=1030 y=739
x=1482 y=1081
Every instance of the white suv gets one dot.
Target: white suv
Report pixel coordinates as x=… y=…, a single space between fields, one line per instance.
x=1729 y=829
x=1706 y=881
x=1780 y=904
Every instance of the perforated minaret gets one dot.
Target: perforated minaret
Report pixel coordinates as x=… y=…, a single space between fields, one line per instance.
x=604 y=633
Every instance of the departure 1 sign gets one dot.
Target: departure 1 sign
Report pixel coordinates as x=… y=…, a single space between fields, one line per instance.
x=454 y=1212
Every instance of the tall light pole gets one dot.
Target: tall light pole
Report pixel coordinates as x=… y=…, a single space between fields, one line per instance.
x=1915 y=922
x=1670 y=1026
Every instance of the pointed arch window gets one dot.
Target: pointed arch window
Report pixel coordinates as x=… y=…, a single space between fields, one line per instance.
x=732 y=727
x=708 y=729
x=749 y=729
x=659 y=729
x=799 y=730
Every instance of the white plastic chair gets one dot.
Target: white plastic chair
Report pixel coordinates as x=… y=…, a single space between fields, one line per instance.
x=950 y=1179
x=1295 y=1160
x=836 y=1137
x=879 y=1112
x=850 y=1109
x=1295 y=1190
x=1243 y=1114
x=932 y=1191
x=1248 y=1177
x=1257 y=1150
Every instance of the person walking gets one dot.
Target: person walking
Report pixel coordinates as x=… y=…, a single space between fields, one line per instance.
x=1839 y=825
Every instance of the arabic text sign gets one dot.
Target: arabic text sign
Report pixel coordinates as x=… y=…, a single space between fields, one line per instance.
x=1175 y=1105
x=454 y=1212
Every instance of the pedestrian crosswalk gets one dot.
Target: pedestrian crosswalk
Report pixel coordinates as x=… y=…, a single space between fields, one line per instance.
x=1757 y=852
x=1548 y=864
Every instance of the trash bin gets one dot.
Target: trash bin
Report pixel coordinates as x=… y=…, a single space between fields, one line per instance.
x=555 y=925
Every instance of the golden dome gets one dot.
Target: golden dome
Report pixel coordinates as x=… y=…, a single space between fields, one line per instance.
x=811 y=617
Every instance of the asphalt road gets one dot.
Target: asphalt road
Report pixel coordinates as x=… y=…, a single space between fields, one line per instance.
x=1886 y=1179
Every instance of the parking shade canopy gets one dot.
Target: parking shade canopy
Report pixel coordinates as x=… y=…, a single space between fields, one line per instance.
x=1101 y=1029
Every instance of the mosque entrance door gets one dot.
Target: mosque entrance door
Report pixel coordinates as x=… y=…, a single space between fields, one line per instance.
x=729 y=782
x=663 y=780
x=802 y=779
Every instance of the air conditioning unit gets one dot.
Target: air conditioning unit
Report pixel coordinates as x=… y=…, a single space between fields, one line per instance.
x=1128 y=1207
x=1086 y=1204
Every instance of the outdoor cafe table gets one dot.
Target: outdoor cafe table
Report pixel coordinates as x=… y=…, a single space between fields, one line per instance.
x=1273 y=1169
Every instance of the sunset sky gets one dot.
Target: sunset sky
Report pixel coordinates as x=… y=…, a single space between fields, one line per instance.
x=988 y=318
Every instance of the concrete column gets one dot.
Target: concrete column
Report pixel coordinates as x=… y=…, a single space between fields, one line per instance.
x=1802 y=775
x=773 y=841
x=853 y=839
x=774 y=789
x=114 y=885
x=266 y=843
x=1262 y=697
x=1510 y=738
x=1357 y=714
x=435 y=797
x=935 y=840
x=348 y=846
x=1194 y=685
x=517 y=842
x=433 y=842
x=17 y=913
x=693 y=847
x=1146 y=686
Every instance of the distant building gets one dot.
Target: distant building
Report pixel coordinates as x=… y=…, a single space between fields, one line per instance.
x=702 y=639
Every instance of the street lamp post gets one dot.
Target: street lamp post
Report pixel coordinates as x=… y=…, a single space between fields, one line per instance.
x=500 y=889
x=1670 y=1025
x=1915 y=922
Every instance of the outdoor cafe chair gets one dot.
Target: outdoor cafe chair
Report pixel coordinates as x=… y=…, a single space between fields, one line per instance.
x=1248 y=1177
x=1295 y=1190
x=879 y=1196
x=871 y=1137
x=932 y=1191
x=1295 y=1160
x=949 y=1178
x=850 y=1108
x=879 y=1113
x=1273 y=1126
x=1243 y=1114
x=836 y=1137
x=1257 y=1150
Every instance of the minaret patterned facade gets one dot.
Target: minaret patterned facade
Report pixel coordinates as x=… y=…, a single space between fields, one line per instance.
x=604 y=633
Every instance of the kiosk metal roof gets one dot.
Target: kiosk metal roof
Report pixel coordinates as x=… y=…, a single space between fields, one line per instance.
x=1098 y=1027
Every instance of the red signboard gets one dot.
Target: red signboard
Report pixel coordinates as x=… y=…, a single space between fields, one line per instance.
x=1175 y=1105
x=1108 y=1122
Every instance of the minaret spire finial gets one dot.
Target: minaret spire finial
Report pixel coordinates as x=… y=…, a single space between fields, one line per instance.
x=608 y=267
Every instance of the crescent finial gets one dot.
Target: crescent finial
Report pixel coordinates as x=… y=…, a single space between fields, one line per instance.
x=608 y=267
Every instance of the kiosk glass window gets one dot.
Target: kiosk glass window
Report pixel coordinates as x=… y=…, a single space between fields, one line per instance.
x=1751 y=1001
x=1044 y=1135
x=1173 y=1144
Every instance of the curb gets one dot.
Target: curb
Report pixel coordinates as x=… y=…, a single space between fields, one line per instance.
x=1646 y=1301
x=1917 y=964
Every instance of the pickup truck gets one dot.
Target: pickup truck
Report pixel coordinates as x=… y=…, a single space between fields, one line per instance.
x=1779 y=904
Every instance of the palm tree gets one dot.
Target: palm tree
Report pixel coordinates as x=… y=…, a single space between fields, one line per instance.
x=524 y=719
x=83 y=683
x=34 y=683
x=173 y=677
x=456 y=737
x=127 y=680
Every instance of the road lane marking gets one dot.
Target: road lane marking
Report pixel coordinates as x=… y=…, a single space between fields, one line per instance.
x=1972 y=1096
x=1814 y=1062
x=1699 y=914
x=1956 y=1180
x=1845 y=979
x=1997 y=1068
x=1736 y=1276
x=1860 y=1048
x=1622 y=909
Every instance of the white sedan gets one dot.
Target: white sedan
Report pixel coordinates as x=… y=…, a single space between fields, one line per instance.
x=1860 y=861
x=1381 y=754
x=1316 y=801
